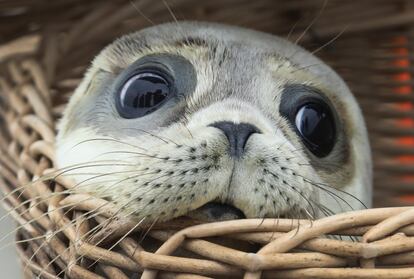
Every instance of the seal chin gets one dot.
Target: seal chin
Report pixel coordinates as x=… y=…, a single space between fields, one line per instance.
x=215 y=211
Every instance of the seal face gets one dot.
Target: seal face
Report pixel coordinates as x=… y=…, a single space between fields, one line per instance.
x=216 y=122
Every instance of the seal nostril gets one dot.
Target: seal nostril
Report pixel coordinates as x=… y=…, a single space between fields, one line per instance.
x=237 y=135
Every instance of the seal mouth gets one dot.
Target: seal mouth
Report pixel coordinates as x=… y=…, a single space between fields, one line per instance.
x=215 y=211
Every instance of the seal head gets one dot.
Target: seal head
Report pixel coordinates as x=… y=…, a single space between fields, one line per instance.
x=216 y=121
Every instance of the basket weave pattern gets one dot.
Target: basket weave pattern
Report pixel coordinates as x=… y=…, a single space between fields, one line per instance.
x=77 y=236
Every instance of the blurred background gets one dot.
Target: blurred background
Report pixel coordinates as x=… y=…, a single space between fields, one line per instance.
x=369 y=42
x=9 y=263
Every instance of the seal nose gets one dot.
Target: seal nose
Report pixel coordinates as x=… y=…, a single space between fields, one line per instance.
x=237 y=135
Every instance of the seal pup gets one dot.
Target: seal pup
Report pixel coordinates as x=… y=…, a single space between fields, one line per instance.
x=217 y=122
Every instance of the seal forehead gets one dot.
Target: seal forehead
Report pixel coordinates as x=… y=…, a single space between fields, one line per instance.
x=209 y=34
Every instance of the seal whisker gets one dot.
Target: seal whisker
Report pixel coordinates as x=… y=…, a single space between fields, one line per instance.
x=43 y=199
x=70 y=206
x=39 y=199
x=53 y=235
x=133 y=4
x=106 y=139
x=163 y=139
x=148 y=230
x=302 y=196
x=165 y=189
x=104 y=225
x=49 y=176
x=330 y=41
x=325 y=210
x=321 y=185
x=186 y=127
x=332 y=194
x=174 y=18
x=119 y=241
x=325 y=2
x=292 y=29
x=132 y=177
x=34 y=220
x=131 y=152
x=89 y=233
x=69 y=169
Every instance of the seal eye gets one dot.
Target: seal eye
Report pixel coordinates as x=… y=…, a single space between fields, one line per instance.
x=315 y=124
x=142 y=94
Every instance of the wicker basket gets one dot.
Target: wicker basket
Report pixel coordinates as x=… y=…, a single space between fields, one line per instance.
x=47 y=45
